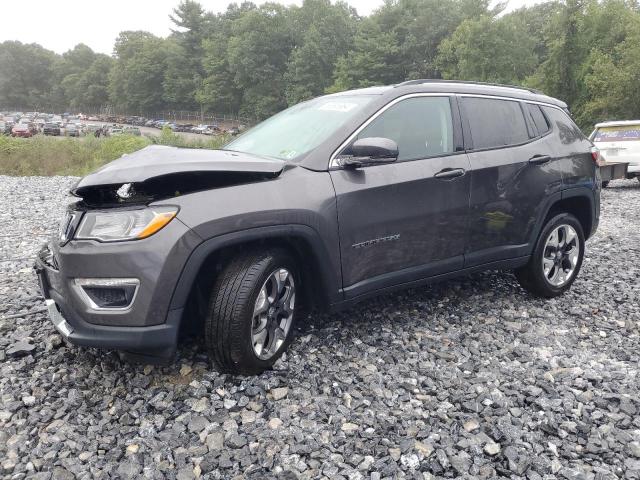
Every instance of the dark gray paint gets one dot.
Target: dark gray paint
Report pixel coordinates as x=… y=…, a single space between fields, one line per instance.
x=406 y=199
x=158 y=161
x=489 y=217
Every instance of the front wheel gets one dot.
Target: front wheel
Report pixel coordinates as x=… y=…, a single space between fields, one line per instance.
x=251 y=313
x=556 y=259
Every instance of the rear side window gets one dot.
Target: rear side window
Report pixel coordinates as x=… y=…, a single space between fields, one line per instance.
x=495 y=123
x=567 y=130
x=421 y=126
x=624 y=133
x=538 y=118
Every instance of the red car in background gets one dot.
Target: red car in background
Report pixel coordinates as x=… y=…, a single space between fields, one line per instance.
x=21 y=130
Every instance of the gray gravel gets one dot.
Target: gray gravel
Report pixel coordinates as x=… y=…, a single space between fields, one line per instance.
x=468 y=378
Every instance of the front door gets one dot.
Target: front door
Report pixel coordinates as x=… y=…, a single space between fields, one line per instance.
x=406 y=220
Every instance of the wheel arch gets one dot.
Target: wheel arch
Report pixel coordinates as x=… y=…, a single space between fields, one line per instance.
x=321 y=284
x=578 y=202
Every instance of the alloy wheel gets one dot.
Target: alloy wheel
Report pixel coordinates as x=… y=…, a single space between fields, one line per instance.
x=561 y=254
x=273 y=313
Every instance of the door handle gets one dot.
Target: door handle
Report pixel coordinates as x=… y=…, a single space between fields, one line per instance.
x=539 y=159
x=449 y=173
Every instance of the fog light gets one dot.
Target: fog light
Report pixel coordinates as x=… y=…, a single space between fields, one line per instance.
x=108 y=293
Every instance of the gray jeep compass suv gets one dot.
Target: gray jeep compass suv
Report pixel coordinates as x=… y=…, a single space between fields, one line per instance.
x=325 y=204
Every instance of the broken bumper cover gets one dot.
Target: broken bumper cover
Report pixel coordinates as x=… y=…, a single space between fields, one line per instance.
x=151 y=341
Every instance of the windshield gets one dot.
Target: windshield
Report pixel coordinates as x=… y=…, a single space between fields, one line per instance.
x=623 y=133
x=299 y=129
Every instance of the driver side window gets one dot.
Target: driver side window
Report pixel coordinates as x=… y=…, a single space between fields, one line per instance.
x=421 y=126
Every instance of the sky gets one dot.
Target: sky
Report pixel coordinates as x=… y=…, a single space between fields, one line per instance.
x=60 y=25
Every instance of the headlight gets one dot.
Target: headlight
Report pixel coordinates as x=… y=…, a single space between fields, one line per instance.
x=117 y=225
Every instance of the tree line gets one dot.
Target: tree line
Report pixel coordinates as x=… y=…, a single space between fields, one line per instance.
x=256 y=60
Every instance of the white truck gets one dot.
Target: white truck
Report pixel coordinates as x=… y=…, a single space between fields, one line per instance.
x=619 y=145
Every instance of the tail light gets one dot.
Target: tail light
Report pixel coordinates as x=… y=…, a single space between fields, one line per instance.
x=595 y=155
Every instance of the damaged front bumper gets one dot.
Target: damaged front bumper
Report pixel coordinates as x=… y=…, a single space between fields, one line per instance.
x=146 y=327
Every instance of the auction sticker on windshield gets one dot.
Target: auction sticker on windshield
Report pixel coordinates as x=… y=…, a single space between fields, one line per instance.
x=338 y=106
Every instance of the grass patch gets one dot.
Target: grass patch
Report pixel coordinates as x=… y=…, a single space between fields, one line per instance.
x=167 y=137
x=41 y=155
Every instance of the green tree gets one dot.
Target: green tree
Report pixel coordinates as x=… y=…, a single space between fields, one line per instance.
x=490 y=50
x=184 y=72
x=374 y=59
x=611 y=80
x=218 y=91
x=81 y=78
x=136 y=79
x=322 y=33
x=400 y=41
x=26 y=78
x=559 y=75
x=258 y=52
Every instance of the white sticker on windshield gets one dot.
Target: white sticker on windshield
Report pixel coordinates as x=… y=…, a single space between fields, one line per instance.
x=338 y=106
x=288 y=153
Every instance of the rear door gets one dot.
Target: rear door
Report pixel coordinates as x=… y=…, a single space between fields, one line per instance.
x=406 y=220
x=513 y=174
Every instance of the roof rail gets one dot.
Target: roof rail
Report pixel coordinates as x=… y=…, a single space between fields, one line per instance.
x=465 y=82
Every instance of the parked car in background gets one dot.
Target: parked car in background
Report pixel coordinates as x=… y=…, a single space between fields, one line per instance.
x=200 y=129
x=72 y=130
x=233 y=131
x=619 y=141
x=5 y=129
x=51 y=128
x=131 y=131
x=334 y=200
x=114 y=131
x=21 y=130
x=205 y=129
x=183 y=127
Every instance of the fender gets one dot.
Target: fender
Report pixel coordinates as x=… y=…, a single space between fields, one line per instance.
x=329 y=280
x=590 y=192
x=579 y=191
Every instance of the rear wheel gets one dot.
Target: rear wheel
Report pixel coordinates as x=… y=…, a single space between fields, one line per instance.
x=252 y=311
x=556 y=259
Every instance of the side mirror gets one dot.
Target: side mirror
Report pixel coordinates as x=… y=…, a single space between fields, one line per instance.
x=371 y=151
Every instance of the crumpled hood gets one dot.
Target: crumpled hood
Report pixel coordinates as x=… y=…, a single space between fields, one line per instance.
x=158 y=160
x=158 y=172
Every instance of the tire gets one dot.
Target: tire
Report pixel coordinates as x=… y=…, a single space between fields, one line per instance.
x=552 y=283
x=230 y=330
x=605 y=184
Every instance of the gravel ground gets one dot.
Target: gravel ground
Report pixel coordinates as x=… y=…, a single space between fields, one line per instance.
x=469 y=378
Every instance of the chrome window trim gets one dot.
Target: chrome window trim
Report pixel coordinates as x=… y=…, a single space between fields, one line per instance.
x=513 y=99
x=333 y=164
